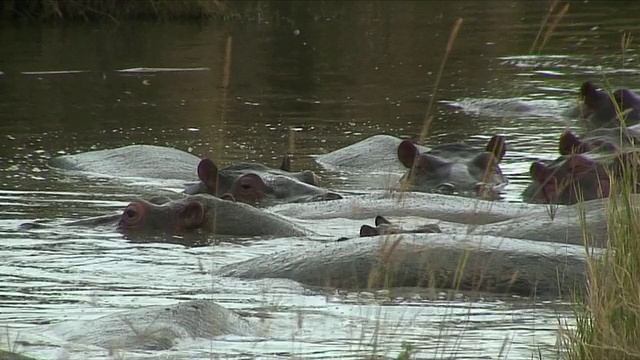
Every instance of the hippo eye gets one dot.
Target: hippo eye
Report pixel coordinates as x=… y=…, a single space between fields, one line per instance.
x=131 y=214
x=245 y=186
x=446 y=188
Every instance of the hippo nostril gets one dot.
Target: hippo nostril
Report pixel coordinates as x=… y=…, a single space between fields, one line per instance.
x=245 y=186
x=446 y=188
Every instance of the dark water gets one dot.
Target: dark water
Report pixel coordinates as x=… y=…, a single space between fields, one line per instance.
x=331 y=73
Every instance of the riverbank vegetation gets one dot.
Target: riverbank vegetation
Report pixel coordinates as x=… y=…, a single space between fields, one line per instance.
x=608 y=316
x=116 y=10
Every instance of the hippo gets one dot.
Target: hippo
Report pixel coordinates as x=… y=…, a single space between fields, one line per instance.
x=182 y=220
x=202 y=213
x=622 y=107
x=447 y=168
x=455 y=168
x=257 y=184
x=157 y=327
x=579 y=177
x=449 y=261
x=601 y=140
x=251 y=183
x=468 y=216
x=585 y=167
x=568 y=180
x=385 y=227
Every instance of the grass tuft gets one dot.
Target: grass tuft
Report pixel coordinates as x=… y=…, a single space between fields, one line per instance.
x=608 y=317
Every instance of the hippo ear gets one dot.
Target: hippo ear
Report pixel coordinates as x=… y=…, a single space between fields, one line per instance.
x=381 y=220
x=192 y=215
x=540 y=172
x=407 y=153
x=569 y=143
x=208 y=173
x=497 y=147
x=485 y=161
x=286 y=163
x=366 y=231
x=588 y=91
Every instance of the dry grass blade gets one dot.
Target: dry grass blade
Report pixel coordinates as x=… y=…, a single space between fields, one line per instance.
x=452 y=39
x=553 y=25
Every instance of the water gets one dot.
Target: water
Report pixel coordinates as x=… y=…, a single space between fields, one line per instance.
x=332 y=74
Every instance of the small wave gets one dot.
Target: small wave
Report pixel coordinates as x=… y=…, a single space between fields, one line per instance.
x=510 y=107
x=155 y=70
x=54 y=72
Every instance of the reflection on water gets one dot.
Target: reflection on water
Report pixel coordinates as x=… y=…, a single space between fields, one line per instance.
x=334 y=73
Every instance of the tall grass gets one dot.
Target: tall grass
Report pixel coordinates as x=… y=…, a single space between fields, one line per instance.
x=608 y=317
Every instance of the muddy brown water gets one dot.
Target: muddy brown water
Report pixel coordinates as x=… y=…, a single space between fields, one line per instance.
x=331 y=74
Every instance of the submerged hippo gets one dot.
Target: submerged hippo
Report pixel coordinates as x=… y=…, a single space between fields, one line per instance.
x=585 y=173
x=455 y=168
x=464 y=262
x=385 y=227
x=257 y=184
x=622 y=107
x=448 y=168
x=157 y=327
x=600 y=140
x=200 y=214
x=251 y=183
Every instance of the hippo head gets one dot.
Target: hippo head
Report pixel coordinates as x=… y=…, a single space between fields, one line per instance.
x=591 y=96
x=479 y=174
x=575 y=178
x=256 y=184
x=176 y=218
x=570 y=143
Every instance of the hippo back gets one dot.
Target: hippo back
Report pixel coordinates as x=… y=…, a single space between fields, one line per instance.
x=133 y=161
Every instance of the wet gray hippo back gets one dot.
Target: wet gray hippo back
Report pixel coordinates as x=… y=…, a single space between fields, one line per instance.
x=431 y=260
x=133 y=161
x=376 y=153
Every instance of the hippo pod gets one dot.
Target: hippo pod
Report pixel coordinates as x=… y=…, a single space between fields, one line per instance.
x=257 y=184
x=385 y=227
x=464 y=262
x=157 y=327
x=455 y=168
x=622 y=107
x=586 y=168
